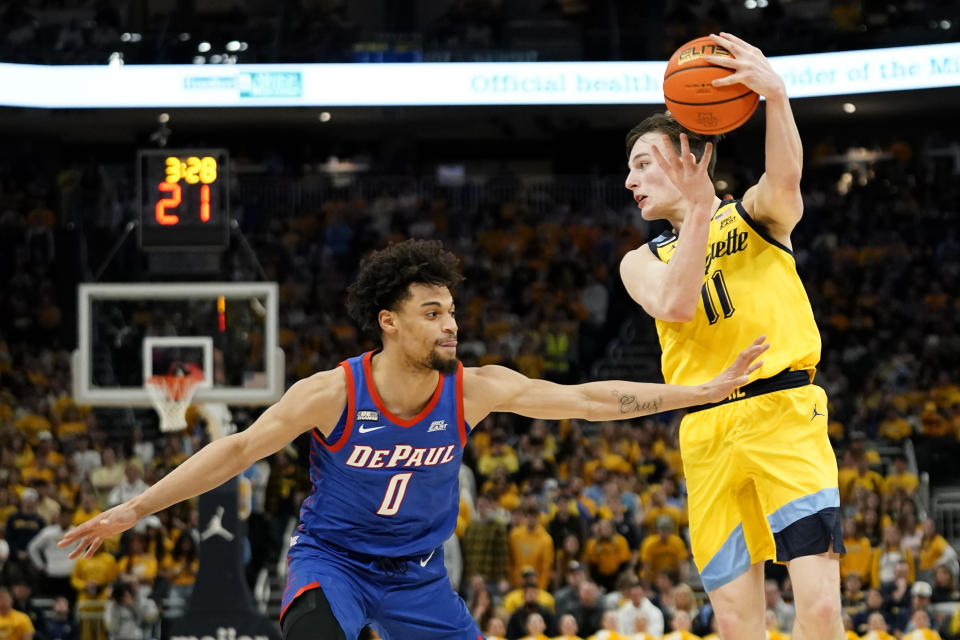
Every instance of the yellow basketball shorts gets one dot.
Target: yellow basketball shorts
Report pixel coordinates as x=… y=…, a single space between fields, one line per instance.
x=761 y=478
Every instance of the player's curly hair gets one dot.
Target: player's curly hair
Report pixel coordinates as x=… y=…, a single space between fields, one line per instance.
x=666 y=124
x=386 y=275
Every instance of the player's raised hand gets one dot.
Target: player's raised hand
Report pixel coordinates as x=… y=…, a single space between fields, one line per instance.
x=91 y=534
x=750 y=67
x=737 y=374
x=686 y=174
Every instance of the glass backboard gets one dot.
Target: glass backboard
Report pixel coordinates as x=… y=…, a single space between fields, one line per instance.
x=129 y=332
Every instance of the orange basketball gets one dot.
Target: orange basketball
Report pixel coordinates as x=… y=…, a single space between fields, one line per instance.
x=697 y=104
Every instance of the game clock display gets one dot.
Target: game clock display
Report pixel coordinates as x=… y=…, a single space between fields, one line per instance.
x=184 y=198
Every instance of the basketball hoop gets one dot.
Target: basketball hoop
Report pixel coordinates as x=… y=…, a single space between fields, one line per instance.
x=171 y=396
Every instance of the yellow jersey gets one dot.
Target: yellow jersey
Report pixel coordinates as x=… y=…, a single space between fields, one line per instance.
x=750 y=288
x=15 y=625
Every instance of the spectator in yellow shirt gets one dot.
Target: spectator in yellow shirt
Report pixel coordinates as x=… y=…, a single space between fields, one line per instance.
x=568 y=628
x=659 y=507
x=514 y=598
x=608 y=630
x=138 y=562
x=859 y=555
x=91 y=577
x=861 y=475
x=934 y=550
x=535 y=628
x=500 y=455
x=877 y=628
x=531 y=546
x=773 y=633
x=893 y=427
x=922 y=631
x=496 y=630
x=14 y=625
x=900 y=478
x=848 y=628
x=663 y=551
x=681 y=628
x=606 y=554
x=886 y=557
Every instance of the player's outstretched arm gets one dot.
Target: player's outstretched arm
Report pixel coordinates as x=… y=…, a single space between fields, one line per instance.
x=776 y=199
x=493 y=388
x=316 y=401
x=671 y=291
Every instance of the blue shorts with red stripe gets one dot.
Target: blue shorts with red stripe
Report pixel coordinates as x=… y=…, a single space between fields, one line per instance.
x=398 y=597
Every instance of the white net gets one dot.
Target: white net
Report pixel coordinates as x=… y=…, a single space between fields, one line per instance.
x=171 y=396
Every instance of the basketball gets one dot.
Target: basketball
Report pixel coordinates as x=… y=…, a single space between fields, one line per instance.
x=691 y=98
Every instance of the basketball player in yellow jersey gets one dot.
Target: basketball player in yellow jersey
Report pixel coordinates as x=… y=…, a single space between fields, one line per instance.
x=761 y=474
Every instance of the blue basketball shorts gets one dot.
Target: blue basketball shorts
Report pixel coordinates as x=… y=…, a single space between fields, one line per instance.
x=400 y=598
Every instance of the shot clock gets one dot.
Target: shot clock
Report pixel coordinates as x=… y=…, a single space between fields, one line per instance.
x=184 y=198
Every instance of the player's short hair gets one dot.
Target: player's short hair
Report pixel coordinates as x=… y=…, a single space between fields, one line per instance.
x=665 y=123
x=386 y=275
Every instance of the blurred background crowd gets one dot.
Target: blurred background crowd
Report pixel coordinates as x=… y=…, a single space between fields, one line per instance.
x=222 y=31
x=567 y=529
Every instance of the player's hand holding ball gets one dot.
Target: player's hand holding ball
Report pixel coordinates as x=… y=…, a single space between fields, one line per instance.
x=713 y=84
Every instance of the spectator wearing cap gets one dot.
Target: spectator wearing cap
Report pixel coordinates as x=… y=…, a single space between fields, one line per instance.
x=515 y=598
x=921 y=595
x=637 y=603
x=606 y=554
x=663 y=551
x=14 y=625
x=530 y=546
x=485 y=543
x=517 y=624
x=22 y=526
x=568 y=596
x=52 y=561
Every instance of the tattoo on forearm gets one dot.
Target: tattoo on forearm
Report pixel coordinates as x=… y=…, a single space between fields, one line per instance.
x=630 y=404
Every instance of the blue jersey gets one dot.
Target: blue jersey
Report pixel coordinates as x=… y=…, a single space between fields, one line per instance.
x=382 y=485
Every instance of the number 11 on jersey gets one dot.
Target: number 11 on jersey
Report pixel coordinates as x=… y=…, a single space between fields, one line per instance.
x=723 y=297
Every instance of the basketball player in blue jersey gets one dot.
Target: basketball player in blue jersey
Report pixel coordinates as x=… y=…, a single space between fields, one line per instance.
x=387 y=435
x=761 y=473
